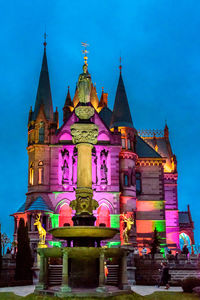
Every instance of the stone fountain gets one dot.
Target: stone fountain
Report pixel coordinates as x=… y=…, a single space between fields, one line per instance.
x=83 y=259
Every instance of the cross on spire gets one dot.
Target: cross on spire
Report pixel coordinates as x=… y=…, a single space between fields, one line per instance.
x=45 y=40
x=120 y=66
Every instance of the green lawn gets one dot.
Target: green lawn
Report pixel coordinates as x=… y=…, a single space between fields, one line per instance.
x=154 y=296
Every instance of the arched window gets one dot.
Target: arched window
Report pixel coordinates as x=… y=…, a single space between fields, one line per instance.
x=138 y=183
x=128 y=144
x=184 y=239
x=41 y=132
x=103 y=216
x=126 y=180
x=41 y=172
x=31 y=174
x=65 y=216
x=123 y=143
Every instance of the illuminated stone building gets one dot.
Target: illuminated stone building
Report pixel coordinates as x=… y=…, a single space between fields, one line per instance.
x=133 y=172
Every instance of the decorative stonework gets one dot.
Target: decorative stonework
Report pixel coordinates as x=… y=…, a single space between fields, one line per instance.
x=84 y=133
x=84 y=202
x=128 y=155
x=84 y=112
x=150 y=162
x=171 y=176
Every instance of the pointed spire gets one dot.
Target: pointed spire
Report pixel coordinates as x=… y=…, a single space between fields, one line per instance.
x=121 y=116
x=166 y=130
x=44 y=90
x=68 y=101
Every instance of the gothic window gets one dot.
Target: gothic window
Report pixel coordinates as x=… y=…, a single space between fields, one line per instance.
x=41 y=172
x=123 y=143
x=41 y=132
x=65 y=216
x=138 y=183
x=126 y=180
x=31 y=174
x=129 y=144
x=103 y=216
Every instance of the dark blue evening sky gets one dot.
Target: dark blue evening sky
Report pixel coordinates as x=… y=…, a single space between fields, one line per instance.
x=159 y=42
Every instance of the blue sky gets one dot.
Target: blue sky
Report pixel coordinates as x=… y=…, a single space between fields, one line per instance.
x=159 y=43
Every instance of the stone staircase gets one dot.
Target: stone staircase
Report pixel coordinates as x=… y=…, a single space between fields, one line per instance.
x=55 y=275
x=112 y=278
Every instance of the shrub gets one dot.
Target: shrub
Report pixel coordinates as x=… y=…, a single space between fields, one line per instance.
x=189 y=283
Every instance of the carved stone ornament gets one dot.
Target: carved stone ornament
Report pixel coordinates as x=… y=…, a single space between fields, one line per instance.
x=84 y=112
x=84 y=133
x=84 y=202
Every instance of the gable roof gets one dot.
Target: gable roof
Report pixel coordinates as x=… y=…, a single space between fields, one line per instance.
x=144 y=150
x=106 y=115
x=184 y=217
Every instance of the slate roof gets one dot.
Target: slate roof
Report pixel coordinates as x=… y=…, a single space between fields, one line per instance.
x=106 y=115
x=164 y=147
x=39 y=204
x=144 y=150
x=121 y=115
x=44 y=92
x=22 y=208
x=184 y=217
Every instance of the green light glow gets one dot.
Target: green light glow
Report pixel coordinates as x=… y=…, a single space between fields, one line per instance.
x=113 y=244
x=159 y=225
x=55 y=220
x=55 y=244
x=114 y=221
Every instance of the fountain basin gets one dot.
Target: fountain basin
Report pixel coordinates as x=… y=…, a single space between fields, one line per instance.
x=101 y=233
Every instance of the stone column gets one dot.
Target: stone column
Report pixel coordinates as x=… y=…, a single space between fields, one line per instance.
x=65 y=278
x=84 y=168
x=124 y=280
x=101 y=287
x=42 y=284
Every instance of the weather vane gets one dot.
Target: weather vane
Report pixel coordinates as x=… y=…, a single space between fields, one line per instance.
x=85 y=51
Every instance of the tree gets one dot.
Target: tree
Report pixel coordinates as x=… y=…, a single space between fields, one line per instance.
x=155 y=244
x=4 y=242
x=24 y=261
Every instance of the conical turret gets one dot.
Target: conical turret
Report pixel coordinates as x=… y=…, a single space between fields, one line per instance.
x=121 y=116
x=44 y=91
x=68 y=107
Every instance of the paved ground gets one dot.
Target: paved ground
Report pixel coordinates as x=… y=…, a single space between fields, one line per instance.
x=147 y=290
x=139 y=289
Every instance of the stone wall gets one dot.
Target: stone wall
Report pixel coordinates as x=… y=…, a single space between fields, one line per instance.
x=147 y=270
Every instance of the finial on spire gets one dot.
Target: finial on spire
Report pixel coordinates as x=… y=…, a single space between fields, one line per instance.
x=120 y=66
x=85 y=51
x=45 y=40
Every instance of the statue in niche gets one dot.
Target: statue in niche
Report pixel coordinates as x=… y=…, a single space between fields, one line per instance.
x=104 y=171
x=84 y=86
x=65 y=172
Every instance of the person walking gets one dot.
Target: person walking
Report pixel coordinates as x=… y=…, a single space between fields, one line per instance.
x=165 y=276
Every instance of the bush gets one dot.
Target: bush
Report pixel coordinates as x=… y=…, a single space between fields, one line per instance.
x=189 y=283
